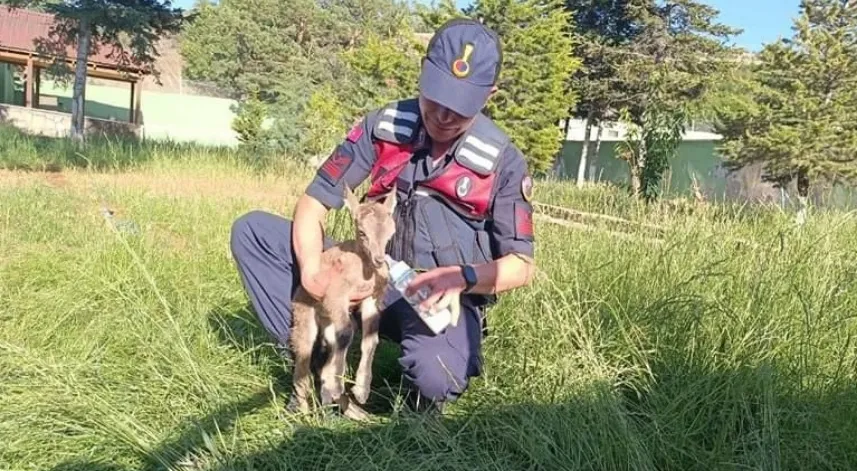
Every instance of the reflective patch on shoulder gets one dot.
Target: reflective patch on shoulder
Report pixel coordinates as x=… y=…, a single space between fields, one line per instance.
x=479 y=155
x=396 y=124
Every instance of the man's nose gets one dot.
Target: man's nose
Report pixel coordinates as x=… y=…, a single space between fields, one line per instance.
x=445 y=115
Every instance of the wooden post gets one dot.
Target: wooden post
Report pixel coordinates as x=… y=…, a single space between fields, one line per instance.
x=28 y=91
x=138 y=94
x=38 y=91
x=132 y=113
x=136 y=91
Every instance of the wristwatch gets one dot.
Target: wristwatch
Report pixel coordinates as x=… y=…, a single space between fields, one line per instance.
x=469 y=274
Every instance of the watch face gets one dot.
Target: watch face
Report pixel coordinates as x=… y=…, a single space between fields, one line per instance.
x=469 y=275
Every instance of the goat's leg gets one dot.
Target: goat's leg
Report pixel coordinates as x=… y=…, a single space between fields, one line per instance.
x=338 y=334
x=347 y=406
x=327 y=373
x=303 y=338
x=371 y=320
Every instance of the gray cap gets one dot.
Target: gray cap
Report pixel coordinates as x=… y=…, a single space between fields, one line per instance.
x=463 y=61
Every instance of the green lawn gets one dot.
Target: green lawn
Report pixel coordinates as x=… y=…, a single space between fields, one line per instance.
x=726 y=345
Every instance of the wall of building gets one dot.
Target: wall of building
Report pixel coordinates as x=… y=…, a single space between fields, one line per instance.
x=57 y=124
x=699 y=160
x=164 y=115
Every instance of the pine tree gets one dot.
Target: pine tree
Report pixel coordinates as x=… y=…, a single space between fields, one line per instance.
x=805 y=126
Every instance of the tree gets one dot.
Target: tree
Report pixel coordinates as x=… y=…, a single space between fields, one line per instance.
x=675 y=57
x=286 y=53
x=534 y=86
x=601 y=26
x=804 y=127
x=129 y=28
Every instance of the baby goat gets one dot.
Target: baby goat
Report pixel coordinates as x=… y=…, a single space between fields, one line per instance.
x=353 y=265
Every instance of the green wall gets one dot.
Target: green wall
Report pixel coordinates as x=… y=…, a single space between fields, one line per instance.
x=695 y=158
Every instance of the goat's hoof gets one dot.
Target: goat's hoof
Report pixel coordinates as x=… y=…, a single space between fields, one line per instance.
x=296 y=404
x=330 y=395
x=360 y=392
x=351 y=410
x=326 y=397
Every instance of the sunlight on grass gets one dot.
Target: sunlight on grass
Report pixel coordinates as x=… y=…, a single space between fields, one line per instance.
x=727 y=345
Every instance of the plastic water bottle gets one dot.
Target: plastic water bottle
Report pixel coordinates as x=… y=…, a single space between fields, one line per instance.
x=401 y=275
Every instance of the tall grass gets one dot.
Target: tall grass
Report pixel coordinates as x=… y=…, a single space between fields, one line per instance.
x=727 y=345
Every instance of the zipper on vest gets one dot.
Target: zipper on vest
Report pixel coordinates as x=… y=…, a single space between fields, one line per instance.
x=406 y=237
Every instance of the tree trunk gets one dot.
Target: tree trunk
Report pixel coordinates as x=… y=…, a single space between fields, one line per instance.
x=802 y=194
x=559 y=163
x=581 y=166
x=597 y=150
x=79 y=90
x=639 y=162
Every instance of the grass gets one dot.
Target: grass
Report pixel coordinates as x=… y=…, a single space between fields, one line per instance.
x=729 y=345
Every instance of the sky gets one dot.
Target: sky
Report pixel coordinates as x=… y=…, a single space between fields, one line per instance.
x=763 y=21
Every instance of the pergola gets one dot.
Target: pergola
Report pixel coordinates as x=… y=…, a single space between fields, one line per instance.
x=19 y=30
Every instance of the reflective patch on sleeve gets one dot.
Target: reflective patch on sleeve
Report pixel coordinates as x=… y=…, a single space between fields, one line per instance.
x=523 y=221
x=334 y=168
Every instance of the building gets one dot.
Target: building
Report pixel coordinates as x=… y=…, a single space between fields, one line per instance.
x=24 y=103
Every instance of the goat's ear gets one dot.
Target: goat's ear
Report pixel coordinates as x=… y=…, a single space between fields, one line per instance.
x=390 y=202
x=350 y=200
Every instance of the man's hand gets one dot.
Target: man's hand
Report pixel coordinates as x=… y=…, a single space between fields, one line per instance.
x=441 y=284
x=316 y=285
x=508 y=272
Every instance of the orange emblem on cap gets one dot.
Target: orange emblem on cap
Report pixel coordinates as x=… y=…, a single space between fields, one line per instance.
x=460 y=67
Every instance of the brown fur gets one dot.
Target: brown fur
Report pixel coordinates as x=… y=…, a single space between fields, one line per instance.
x=353 y=265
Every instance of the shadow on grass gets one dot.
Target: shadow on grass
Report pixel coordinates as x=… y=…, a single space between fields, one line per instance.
x=691 y=416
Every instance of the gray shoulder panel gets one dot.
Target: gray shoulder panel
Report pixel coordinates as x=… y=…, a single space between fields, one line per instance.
x=397 y=121
x=482 y=147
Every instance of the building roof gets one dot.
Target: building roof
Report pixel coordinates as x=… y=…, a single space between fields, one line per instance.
x=20 y=28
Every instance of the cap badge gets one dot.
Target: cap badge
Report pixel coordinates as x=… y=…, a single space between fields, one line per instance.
x=461 y=66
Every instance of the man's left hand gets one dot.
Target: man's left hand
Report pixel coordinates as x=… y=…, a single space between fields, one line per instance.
x=441 y=284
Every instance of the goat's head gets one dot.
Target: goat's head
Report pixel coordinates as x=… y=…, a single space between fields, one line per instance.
x=374 y=222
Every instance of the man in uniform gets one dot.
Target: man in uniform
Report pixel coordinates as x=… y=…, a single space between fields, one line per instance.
x=463 y=216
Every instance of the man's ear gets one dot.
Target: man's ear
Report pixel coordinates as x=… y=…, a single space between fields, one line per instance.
x=390 y=202
x=494 y=90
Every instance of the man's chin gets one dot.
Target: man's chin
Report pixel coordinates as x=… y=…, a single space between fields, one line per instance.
x=443 y=136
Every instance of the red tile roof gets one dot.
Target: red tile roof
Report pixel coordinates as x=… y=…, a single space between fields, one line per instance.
x=19 y=28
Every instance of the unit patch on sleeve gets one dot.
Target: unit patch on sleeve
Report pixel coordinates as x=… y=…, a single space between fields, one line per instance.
x=527 y=188
x=334 y=168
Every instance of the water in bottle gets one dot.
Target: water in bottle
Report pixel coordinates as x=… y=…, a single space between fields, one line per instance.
x=401 y=275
